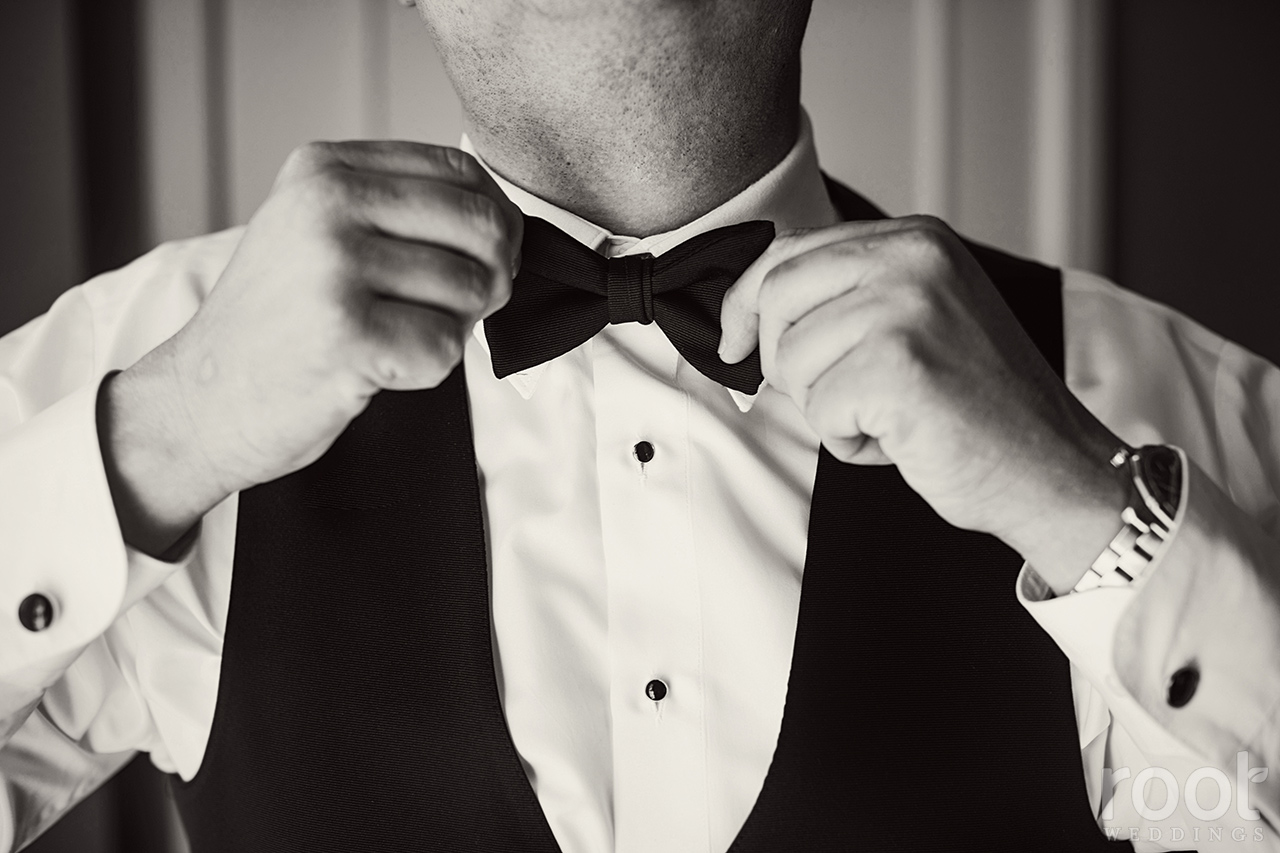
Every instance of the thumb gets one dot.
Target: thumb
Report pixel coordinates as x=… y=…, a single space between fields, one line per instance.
x=739 y=328
x=740 y=312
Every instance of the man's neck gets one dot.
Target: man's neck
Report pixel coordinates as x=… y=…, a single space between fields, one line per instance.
x=638 y=116
x=645 y=178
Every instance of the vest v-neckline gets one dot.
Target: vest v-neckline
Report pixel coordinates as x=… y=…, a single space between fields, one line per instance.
x=850 y=206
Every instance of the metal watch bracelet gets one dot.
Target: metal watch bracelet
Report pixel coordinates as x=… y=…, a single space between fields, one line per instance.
x=1148 y=520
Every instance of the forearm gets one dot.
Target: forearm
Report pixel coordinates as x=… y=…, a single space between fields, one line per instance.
x=1070 y=519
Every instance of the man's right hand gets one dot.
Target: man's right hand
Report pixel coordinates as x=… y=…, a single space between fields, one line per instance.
x=365 y=269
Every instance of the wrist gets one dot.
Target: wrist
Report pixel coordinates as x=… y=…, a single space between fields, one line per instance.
x=1077 y=517
x=160 y=481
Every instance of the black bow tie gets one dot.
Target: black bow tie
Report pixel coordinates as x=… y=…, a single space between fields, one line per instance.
x=565 y=293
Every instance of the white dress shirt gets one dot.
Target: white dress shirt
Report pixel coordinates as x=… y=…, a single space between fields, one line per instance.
x=608 y=573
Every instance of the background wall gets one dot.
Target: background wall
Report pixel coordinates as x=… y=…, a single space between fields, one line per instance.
x=959 y=107
x=1128 y=138
x=1197 y=152
x=40 y=246
x=160 y=119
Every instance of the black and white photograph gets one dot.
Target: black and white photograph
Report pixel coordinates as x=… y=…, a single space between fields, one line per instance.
x=639 y=426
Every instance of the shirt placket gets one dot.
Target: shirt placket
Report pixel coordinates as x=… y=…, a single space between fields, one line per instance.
x=654 y=602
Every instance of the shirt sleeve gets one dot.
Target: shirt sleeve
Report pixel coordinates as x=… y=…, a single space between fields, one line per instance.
x=73 y=698
x=60 y=543
x=1205 y=614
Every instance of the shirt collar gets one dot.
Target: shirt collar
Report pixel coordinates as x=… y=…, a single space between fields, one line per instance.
x=791 y=195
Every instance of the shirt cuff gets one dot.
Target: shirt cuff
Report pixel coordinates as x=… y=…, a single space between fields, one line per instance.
x=1209 y=603
x=1212 y=611
x=59 y=538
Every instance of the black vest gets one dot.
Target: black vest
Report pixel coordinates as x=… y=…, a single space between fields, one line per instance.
x=358 y=707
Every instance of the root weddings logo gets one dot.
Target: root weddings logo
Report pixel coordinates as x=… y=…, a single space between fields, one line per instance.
x=1206 y=794
x=1192 y=835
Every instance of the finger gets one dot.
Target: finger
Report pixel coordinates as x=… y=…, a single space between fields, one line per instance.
x=451 y=217
x=433 y=163
x=412 y=346
x=805 y=284
x=432 y=276
x=739 y=311
x=804 y=350
x=387 y=157
x=856 y=398
x=862 y=450
x=839 y=402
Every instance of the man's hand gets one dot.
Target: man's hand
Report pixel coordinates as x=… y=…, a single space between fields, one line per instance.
x=364 y=270
x=898 y=349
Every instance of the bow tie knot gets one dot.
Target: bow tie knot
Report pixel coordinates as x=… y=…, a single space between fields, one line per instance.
x=566 y=293
x=630 y=289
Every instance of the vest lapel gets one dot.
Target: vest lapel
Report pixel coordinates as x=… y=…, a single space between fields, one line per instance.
x=358 y=706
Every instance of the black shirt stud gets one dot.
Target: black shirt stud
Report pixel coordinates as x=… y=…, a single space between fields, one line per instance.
x=35 y=612
x=656 y=690
x=643 y=451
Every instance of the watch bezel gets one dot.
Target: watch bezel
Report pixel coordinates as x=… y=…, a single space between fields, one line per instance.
x=1157 y=471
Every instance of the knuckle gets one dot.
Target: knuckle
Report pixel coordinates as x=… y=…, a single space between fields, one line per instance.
x=843 y=451
x=350 y=323
x=307 y=158
x=905 y=355
x=460 y=162
x=788 y=267
x=788 y=241
x=930 y=238
x=823 y=413
x=324 y=189
x=790 y=235
x=329 y=259
x=485 y=215
x=913 y=304
x=354 y=254
x=928 y=221
x=785 y=352
x=923 y=237
x=484 y=219
x=474 y=284
x=447 y=342
x=413 y=351
x=772 y=288
x=500 y=292
x=897 y=342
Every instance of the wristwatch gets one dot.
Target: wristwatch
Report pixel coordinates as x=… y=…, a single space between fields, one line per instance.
x=1155 y=473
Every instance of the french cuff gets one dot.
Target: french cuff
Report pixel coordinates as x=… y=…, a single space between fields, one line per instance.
x=1188 y=657
x=67 y=572
x=146 y=572
x=1199 y=647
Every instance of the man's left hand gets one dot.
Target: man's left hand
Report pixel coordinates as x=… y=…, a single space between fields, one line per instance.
x=898 y=349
